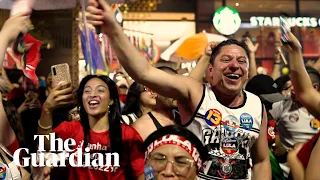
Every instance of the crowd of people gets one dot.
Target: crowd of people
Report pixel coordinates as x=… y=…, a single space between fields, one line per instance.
x=222 y=121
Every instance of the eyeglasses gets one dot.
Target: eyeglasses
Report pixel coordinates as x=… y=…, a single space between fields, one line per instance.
x=146 y=89
x=181 y=165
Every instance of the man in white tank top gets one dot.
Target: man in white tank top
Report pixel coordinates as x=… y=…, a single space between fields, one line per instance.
x=228 y=120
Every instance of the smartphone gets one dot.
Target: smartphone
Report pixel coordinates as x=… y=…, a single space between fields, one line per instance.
x=285 y=29
x=60 y=72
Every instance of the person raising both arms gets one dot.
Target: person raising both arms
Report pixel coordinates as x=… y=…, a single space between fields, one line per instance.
x=229 y=121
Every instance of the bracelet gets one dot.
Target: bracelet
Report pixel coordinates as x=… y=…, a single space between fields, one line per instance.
x=276 y=63
x=44 y=128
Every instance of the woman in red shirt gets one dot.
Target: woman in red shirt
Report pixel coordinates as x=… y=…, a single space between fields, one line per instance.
x=99 y=128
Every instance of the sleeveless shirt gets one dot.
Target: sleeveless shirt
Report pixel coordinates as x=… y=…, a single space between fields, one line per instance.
x=228 y=133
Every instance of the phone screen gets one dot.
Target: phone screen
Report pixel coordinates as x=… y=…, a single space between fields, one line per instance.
x=285 y=29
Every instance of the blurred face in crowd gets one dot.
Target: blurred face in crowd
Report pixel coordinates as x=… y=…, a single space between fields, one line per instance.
x=49 y=81
x=123 y=90
x=28 y=84
x=289 y=91
x=74 y=114
x=229 y=70
x=148 y=97
x=96 y=98
x=172 y=162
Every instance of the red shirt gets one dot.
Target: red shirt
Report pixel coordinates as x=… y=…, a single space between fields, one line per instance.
x=305 y=152
x=13 y=146
x=99 y=142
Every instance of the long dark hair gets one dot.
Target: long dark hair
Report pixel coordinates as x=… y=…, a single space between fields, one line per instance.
x=115 y=131
x=133 y=102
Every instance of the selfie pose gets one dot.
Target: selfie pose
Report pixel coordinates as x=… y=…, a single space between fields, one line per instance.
x=99 y=128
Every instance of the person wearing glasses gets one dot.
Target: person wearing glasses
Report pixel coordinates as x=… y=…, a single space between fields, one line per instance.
x=173 y=152
x=162 y=115
x=140 y=101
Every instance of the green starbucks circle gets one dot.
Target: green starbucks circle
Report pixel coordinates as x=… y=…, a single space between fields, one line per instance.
x=226 y=20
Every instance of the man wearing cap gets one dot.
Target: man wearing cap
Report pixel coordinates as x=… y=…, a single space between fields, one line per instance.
x=284 y=85
x=266 y=88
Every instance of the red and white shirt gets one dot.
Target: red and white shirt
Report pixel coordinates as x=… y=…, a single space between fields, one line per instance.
x=99 y=142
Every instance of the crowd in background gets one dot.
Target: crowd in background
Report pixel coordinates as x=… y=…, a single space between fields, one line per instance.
x=222 y=121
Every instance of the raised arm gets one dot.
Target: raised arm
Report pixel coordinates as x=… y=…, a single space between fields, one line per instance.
x=313 y=165
x=261 y=160
x=7 y=135
x=275 y=74
x=302 y=84
x=252 y=64
x=15 y=25
x=12 y=27
x=202 y=65
x=174 y=86
x=59 y=96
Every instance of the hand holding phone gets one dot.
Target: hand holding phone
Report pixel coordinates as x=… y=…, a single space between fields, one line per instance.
x=285 y=30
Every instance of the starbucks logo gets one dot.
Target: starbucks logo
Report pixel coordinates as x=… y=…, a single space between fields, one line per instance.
x=226 y=20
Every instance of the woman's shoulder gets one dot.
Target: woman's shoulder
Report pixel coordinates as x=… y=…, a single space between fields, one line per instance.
x=68 y=127
x=129 y=133
x=73 y=123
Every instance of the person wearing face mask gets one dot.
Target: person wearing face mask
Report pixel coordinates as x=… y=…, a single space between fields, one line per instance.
x=173 y=152
x=99 y=128
x=229 y=121
x=160 y=116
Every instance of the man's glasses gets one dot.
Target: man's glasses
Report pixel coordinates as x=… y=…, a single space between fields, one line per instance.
x=181 y=165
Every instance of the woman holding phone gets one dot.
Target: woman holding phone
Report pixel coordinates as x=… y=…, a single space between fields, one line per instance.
x=99 y=124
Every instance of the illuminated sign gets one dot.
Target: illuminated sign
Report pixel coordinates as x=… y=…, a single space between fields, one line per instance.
x=226 y=20
x=293 y=21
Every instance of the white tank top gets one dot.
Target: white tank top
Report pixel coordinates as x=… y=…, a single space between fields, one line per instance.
x=9 y=171
x=228 y=134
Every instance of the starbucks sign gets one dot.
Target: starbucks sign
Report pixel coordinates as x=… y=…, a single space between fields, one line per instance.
x=226 y=20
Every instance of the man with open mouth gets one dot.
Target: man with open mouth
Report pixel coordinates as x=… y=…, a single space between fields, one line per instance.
x=204 y=110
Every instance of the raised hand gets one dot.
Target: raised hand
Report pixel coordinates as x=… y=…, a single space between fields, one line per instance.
x=19 y=23
x=294 y=44
x=210 y=47
x=99 y=13
x=252 y=48
x=59 y=96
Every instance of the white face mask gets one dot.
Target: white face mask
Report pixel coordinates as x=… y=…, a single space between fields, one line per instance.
x=288 y=95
